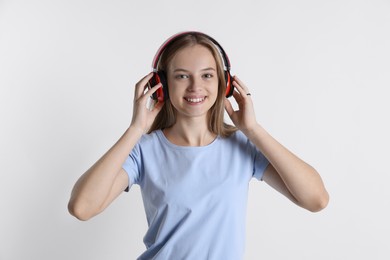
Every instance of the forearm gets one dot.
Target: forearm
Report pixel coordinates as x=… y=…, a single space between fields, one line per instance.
x=301 y=179
x=93 y=187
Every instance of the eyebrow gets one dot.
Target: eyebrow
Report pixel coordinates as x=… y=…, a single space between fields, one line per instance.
x=184 y=70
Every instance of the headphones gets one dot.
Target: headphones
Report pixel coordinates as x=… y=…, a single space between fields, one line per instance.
x=160 y=77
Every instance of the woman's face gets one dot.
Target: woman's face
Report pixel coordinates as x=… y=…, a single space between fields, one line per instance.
x=193 y=81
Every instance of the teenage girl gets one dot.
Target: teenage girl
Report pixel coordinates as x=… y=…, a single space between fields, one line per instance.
x=193 y=168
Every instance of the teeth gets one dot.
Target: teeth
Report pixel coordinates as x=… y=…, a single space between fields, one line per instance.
x=195 y=100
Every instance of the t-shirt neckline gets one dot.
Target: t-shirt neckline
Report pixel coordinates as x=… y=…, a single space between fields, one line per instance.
x=169 y=143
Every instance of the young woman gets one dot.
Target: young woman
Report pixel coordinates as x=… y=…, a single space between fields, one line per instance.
x=194 y=169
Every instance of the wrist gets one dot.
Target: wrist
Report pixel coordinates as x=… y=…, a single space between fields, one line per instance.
x=252 y=131
x=135 y=130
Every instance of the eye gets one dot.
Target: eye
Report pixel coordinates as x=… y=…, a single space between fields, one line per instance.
x=208 y=75
x=181 y=76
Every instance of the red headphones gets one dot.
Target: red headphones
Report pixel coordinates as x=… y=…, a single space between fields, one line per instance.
x=159 y=76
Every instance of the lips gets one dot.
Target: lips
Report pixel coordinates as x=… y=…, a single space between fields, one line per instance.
x=195 y=100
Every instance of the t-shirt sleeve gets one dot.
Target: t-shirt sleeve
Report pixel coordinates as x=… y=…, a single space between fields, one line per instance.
x=260 y=163
x=132 y=166
x=257 y=159
x=259 y=166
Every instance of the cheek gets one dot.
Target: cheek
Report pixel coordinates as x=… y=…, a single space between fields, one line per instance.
x=216 y=89
x=214 y=94
x=175 y=90
x=175 y=95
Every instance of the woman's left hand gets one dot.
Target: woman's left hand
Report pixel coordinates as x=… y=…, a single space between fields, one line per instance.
x=244 y=118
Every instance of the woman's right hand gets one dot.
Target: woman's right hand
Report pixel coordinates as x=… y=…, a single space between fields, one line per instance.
x=106 y=179
x=143 y=116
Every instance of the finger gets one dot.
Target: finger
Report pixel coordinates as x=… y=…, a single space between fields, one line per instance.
x=157 y=108
x=237 y=94
x=150 y=91
x=238 y=80
x=243 y=93
x=140 y=86
x=240 y=86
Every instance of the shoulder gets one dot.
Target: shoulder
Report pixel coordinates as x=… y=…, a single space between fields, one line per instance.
x=147 y=143
x=237 y=137
x=237 y=141
x=240 y=143
x=150 y=138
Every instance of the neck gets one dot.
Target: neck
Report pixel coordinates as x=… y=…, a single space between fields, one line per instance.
x=193 y=132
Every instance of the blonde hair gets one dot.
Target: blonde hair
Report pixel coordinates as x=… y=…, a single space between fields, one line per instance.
x=167 y=116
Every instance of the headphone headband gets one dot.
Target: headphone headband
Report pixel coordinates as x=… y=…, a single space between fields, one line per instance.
x=160 y=51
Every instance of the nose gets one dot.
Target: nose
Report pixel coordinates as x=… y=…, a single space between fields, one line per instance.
x=194 y=84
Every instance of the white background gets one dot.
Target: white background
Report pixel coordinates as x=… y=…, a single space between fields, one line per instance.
x=318 y=72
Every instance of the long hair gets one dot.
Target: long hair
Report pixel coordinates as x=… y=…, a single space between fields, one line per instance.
x=167 y=116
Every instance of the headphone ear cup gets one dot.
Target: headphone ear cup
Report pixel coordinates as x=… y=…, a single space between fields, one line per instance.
x=164 y=88
x=161 y=94
x=229 y=84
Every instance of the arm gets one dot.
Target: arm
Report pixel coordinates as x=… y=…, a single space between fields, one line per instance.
x=106 y=179
x=287 y=173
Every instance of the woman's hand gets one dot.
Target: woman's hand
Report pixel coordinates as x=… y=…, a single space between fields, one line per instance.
x=244 y=118
x=143 y=116
x=106 y=179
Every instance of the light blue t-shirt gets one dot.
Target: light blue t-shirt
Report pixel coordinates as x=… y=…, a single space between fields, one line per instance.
x=194 y=197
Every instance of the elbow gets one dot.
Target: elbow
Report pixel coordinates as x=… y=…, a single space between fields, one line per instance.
x=320 y=203
x=79 y=211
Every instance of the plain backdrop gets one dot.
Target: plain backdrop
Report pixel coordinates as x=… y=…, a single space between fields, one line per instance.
x=319 y=73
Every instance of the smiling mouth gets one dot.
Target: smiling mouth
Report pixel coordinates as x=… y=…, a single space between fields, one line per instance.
x=195 y=100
